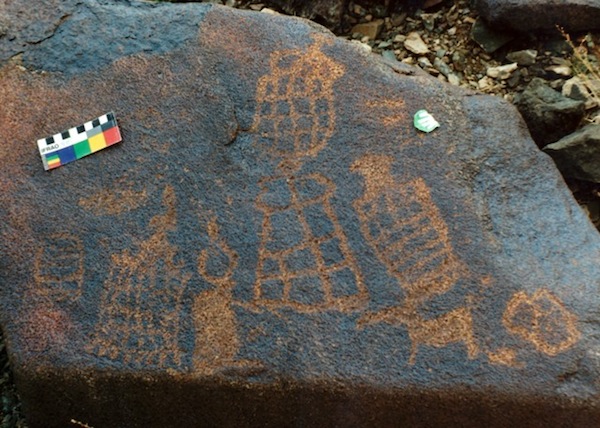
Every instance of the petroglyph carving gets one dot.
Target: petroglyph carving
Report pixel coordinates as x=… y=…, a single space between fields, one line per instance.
x=393 y=111
x=304 y=258
x=542 y=320
x=59 y=267
x=113 y=201
x=409 y=236
x=452 y=327
x=295 y=111
x=406 y=231
x=304 y=261
x=217 y=341
x=141 y=302
x=504 y=357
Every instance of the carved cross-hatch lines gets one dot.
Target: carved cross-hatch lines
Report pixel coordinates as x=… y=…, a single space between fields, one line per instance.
x=59 y=267
x=305 y=261
x=141 y=301
x=296 y=110
x=406 y=230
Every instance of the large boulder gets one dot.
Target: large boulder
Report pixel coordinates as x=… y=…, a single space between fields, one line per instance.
x=273 y=243
x=528 y=15
x=327 y=12
x=549 y=114
x=578 y=154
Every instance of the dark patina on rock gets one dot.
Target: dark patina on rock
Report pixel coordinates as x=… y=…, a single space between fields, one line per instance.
x=528 y=15
x=274 y=244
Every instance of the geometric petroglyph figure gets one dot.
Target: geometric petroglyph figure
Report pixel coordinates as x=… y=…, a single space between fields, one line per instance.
x=216 y=330
x=140 y=307
x=542 y=320
x=305 y=261
x=59 y=267
x=304 y=258
x=407 y=233
x=295 y=113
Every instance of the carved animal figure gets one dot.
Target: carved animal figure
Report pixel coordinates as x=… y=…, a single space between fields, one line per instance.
x=452 y=327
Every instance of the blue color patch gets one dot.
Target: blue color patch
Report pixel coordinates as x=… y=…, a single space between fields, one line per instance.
x=67 y=155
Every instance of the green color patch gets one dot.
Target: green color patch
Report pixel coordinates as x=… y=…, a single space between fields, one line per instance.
x=82 y=149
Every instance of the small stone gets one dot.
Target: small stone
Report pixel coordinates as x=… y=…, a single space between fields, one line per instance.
x=502 y=72
x=453 y=79
x=384 y=44
x=557 y=60
x=459 y=60
x=525 y=57
x=490 y=40
x=430 y=3
x=514 y=79
x=369 y=29
x=429 y=20
x=451 y=31
x=415 y=44
x=485 y=83
x=561 y=70
x=389 y=55
x=442 y=67
x=399 y=38
x=257 y=6
x=398 y=19
x=359 y=10
x=575 y=89
x=556 y=84
x=424 y=62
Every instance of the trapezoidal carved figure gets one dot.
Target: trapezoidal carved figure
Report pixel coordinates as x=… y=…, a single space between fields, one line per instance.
x=140 y=308
x=407 y=233
x=305 y=262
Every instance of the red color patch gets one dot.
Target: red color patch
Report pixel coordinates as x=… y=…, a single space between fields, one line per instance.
x=112 y=135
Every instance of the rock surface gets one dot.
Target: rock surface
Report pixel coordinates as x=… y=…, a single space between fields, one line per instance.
x=578 y=155
x=549 y=114
x=528 y=15
x=273 y=243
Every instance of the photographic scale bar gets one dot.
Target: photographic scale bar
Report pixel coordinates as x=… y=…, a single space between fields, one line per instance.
x=79 y=141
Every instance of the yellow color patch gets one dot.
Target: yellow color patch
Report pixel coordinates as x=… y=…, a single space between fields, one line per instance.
x=97 y=142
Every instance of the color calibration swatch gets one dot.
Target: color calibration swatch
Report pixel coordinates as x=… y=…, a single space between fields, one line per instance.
x=80 y=141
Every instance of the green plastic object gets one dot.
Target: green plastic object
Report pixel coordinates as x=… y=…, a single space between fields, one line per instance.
x=425 y=122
